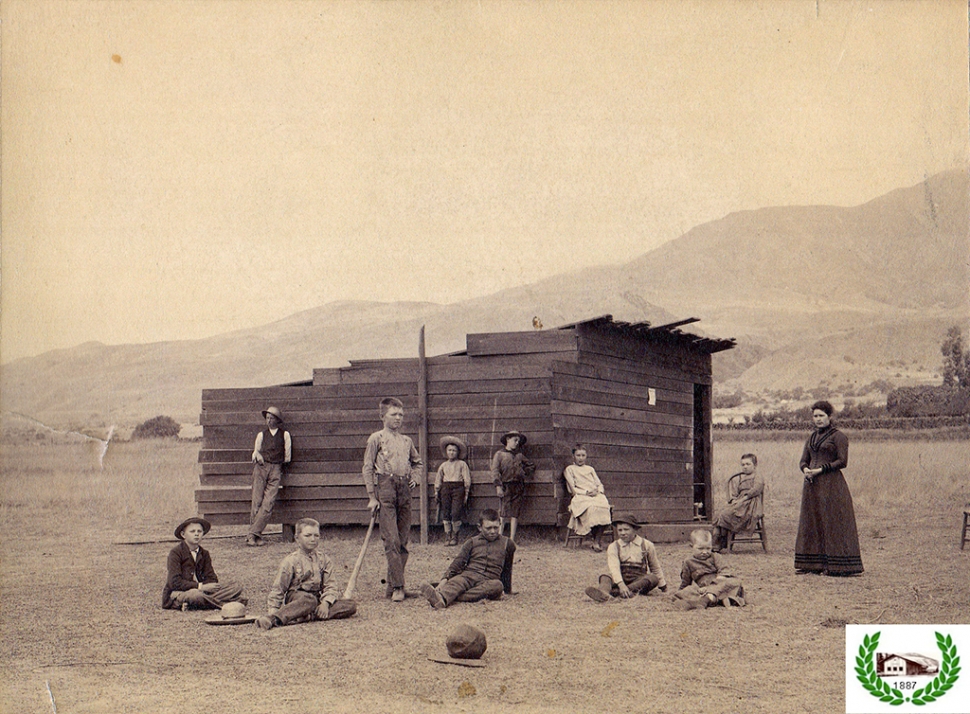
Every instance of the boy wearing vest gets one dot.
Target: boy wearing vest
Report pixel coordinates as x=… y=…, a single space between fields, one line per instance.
x=272 y=451
x=510 y=469
x=632 y=562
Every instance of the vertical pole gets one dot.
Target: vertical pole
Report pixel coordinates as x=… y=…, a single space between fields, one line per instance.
x=423 y=435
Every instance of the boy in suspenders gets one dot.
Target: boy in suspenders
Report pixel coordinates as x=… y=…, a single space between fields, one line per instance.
x=633 y=564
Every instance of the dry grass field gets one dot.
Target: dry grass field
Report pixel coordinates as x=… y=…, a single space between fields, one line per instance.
x=82 y=630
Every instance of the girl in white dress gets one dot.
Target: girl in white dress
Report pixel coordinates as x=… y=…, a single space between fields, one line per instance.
x=589 y=511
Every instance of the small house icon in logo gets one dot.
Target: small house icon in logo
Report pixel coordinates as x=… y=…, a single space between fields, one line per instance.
x=906 y=664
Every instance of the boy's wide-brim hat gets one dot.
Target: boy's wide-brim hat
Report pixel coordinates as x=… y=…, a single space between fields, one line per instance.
x=628 y=518
x=275 y=412
x=232 y=613
x=189 y=521
x=522 y=437
x=465 y=646
x=447 y=441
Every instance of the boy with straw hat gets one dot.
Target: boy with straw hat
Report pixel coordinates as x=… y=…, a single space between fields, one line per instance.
x=510 y=469
x=452 y=484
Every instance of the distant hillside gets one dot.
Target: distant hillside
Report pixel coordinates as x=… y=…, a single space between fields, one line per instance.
x=813 y=293
x=906 y=250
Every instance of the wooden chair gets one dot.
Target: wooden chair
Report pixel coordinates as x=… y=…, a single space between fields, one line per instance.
x=965 y=535
x=570 y=538
x=758 y=535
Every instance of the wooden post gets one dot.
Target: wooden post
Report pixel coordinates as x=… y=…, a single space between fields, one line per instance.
x=423 y=436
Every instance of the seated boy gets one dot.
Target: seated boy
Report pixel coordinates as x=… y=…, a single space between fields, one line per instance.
x=705 y=580
x=304 y=588
x=482 y=569
x=192 y=583
x=632 y=562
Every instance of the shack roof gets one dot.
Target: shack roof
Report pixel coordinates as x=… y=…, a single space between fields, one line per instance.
x=669 y=333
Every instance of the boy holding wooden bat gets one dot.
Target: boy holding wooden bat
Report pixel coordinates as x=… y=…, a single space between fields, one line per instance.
x=390 y=464
x=304 y=588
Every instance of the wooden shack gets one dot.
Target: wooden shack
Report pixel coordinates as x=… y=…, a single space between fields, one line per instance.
x=639 y=396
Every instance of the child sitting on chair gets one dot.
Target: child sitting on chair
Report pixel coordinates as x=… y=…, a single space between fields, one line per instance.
x=705 y=580
x=632 y=562
x=589 y=510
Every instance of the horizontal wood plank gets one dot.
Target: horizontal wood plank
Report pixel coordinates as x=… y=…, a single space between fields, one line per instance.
x=370 y=405
x=325 y=468
x=670 y=367
x=494 y=386
x=649 y=361
x=567 y=436
x=491 y=400
x=515 y=343
x=617 y=426
x=645 y=418
x=539 y=447
x=574 y=389
x=263 y=393
x=609 y=379
x=305 y=446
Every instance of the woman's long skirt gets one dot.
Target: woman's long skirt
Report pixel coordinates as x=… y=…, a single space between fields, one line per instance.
x=827 y=538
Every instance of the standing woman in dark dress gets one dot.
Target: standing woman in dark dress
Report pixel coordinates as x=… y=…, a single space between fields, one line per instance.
x=827 y=541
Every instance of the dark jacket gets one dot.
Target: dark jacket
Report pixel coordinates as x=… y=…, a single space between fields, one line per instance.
x=827 y=449
x=181 y=567
x=510 y=466
x=491 y=560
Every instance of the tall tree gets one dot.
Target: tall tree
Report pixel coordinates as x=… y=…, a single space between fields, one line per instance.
x=956 y=362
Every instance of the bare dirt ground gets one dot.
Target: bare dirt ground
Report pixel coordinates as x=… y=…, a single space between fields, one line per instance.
x=82 y=630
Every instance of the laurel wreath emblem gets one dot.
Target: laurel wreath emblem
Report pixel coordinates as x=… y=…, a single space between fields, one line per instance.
x=941 y=684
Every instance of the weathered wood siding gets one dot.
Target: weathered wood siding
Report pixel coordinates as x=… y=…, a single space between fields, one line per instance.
x=642 y=451
x=328 y=424
x=474 y=398
x=589 y=384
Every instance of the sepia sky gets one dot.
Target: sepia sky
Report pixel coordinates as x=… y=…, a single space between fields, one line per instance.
x=176 y=169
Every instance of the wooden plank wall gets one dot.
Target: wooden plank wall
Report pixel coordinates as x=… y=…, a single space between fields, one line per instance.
x=643 y=452
x=328 y=424
x=475 y=398
x=485 y=398
x=559 y=387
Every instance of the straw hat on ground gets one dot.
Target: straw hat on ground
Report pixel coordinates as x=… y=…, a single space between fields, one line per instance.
x=232 y=613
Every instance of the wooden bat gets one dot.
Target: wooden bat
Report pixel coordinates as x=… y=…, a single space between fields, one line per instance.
x=352 y=583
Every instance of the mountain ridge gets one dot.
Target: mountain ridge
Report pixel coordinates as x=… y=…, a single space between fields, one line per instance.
x=879 y=282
